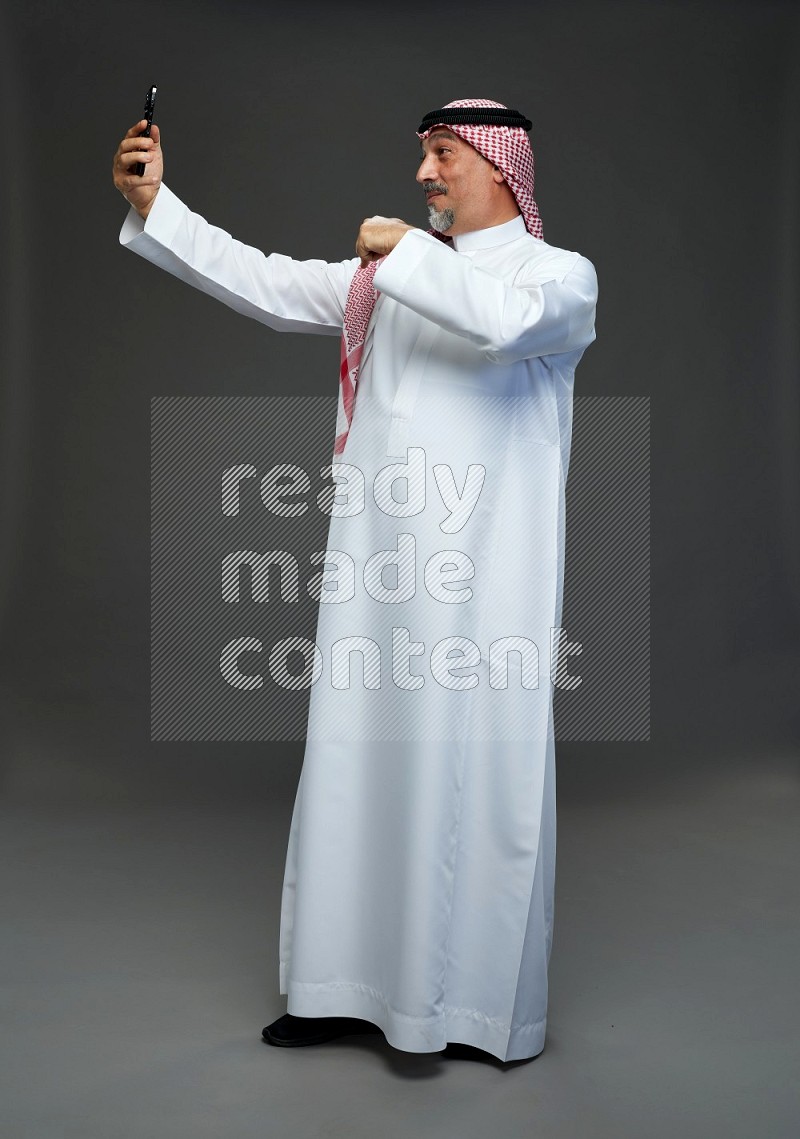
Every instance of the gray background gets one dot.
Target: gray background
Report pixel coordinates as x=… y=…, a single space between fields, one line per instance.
x=143 y=878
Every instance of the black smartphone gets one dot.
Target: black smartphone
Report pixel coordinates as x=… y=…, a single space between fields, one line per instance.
x=149 y=104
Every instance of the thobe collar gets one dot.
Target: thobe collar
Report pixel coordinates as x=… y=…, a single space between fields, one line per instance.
x=494 y=235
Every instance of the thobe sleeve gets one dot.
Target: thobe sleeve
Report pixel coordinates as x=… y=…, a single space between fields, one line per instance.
x=287 y=295
x=507 y=322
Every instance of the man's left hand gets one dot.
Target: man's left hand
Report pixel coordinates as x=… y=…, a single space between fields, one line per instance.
x=378 y=236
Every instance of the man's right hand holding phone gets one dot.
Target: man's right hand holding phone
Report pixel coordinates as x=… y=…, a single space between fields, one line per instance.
x=139 y=190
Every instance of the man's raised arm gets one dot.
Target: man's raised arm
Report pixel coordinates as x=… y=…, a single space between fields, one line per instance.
x=287 y=295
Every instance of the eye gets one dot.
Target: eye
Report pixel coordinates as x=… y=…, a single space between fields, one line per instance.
x=441 y=149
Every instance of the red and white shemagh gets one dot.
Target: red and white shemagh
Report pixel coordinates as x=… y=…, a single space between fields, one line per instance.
x=507 y=148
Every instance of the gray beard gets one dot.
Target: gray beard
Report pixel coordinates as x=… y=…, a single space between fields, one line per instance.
x=441 y=220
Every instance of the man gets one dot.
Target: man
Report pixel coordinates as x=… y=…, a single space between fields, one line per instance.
x=419 y=879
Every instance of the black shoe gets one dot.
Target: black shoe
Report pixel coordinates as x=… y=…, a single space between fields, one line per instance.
x=457 y=1051
x=290 y=1031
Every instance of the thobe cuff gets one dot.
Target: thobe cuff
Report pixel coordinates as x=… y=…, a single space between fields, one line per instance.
x=393 y=273
x=160 y=225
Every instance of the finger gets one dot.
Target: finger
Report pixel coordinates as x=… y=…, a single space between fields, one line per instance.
x=137 y=128
x=363 y=239
x=133 y=156
x=124 y=157
x=155 y=134
x=136 y=144
x=134 y=182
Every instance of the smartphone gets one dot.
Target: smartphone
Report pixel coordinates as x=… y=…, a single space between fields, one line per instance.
x=149 y=104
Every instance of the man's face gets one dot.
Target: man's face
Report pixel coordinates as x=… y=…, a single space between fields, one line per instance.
x=458 y=183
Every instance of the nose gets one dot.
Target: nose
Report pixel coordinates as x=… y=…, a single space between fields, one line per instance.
x=428 y=169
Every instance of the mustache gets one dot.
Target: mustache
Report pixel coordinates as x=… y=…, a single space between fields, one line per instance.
x=439 y=187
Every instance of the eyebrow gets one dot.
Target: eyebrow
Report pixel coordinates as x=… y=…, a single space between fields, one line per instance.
x=437 y=134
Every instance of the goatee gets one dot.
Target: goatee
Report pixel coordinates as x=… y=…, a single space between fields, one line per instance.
x=441 y=220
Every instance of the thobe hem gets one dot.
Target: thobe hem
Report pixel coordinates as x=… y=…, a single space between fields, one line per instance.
x=410 y=1033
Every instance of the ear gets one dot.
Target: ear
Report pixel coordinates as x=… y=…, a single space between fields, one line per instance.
x=497 y=175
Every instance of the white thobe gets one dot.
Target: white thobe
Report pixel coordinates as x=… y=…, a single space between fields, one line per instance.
x=419 y=879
